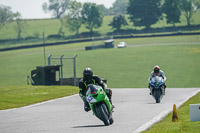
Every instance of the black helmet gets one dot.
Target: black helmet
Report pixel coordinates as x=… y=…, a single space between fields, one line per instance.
x=88 y=74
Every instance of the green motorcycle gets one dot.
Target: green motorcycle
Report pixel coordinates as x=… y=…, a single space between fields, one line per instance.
x=100 y=104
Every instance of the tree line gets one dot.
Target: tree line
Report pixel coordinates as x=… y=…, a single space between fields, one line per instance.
x=6 y=16
x=73 y=14
x=141 y=12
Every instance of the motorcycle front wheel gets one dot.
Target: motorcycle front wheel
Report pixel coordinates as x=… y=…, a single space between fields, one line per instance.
x=157 y=95
x=102 y=112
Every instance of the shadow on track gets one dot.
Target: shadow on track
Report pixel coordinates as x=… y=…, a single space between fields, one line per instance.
x=89 y=126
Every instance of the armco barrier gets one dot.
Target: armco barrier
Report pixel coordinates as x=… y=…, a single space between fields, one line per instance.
x=94 y=47
x=46 y=44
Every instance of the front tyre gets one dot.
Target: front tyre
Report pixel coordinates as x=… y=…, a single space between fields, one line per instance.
x=157 y=95
x=103 y=113
x=111 y=120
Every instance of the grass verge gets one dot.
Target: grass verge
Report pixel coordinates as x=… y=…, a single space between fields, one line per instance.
x=19 y=96
x=184 y=125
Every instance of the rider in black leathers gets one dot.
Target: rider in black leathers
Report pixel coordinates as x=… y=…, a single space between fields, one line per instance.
x=89 y=78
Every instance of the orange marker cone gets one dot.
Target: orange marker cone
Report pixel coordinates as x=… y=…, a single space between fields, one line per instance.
x=175 y=114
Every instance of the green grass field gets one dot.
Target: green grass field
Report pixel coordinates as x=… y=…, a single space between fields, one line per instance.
x=19 y=96
x=184 y=125
x=128 y=67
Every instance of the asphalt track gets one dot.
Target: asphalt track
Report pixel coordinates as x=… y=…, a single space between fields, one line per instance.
x=135 y=111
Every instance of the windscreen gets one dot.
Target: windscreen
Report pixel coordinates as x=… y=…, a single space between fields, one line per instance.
x=93 y=88
x=157 y=79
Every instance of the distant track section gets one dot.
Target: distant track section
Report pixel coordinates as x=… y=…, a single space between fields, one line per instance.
x=96 y=39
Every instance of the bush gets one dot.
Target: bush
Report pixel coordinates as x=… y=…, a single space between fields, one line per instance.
x=89 y=34
x=54 y=36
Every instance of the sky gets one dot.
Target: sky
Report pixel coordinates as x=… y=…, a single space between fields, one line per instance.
x=32 y=9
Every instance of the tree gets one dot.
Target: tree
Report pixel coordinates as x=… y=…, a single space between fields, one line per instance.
x=119 y=7
x=189 y=7
x=92 y=17
x=60 y=31
x=144 y=12
x=58 y=7
x=20 y=24
x=74 y=18
x=6 y=15
x=172 y=10
x=118 y=21
x=197 y=4
x=104 y=10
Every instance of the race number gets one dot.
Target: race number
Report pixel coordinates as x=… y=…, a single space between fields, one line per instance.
x=89 y=98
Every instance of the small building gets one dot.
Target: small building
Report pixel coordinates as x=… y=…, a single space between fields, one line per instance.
x=109 y=43
x=46 y=75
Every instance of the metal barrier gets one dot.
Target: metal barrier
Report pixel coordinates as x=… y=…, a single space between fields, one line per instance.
x=61 y=59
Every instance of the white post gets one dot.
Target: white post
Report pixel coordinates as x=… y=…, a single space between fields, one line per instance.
x=49 y=60
x=92 y=42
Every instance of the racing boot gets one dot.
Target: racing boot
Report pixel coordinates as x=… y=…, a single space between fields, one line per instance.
x=164 y=91
x=111 y=103
x=164 y=87
x=87 y=106
x=149 y=86
x=150 y=91
x=110 y=98
x=109 y=94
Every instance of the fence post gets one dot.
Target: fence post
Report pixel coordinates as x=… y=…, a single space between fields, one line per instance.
x=61 y=63
x=61 y=66
x=74 y=59
x=49 y=60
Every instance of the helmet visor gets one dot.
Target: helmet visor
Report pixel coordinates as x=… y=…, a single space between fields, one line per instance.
x=156 y=71
x=88 y=77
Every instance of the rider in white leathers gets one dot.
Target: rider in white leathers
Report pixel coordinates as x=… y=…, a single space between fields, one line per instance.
x=157 y=72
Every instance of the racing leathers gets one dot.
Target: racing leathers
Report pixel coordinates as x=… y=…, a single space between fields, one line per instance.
x=83 y=89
